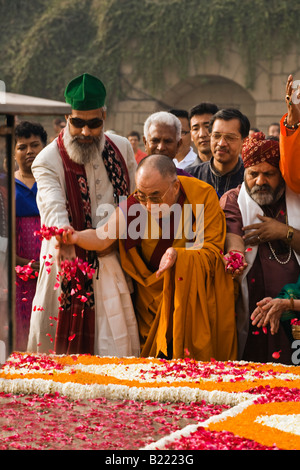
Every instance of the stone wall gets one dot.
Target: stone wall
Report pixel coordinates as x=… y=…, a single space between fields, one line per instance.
x=222 y=84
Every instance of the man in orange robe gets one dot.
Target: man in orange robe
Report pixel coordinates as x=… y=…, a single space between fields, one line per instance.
x=290 y=138
x=184 y=300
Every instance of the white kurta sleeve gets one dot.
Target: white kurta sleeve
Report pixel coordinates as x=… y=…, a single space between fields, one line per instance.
x=51 y=196
x=48 y=171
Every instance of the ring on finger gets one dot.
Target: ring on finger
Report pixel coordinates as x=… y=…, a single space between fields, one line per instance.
x=287 y=97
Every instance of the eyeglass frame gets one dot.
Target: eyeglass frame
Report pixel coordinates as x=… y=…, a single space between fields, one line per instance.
x=148 y=198
x=231 y=137
x=98 y=122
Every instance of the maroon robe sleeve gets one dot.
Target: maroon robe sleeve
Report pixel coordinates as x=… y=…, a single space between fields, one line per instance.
x=229 y=205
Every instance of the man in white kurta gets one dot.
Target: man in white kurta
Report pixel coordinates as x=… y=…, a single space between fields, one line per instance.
x=116 y=332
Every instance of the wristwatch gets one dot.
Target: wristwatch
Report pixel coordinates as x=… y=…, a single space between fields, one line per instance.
x=290 y=234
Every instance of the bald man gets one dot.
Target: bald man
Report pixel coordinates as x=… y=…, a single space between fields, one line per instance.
x=184 y=300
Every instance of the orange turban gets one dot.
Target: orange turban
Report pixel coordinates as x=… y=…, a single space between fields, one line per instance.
x=257 y=149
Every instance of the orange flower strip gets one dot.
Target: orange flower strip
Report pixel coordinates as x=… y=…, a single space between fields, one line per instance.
x=244 y=425
x=86 y=378
x=97 y=360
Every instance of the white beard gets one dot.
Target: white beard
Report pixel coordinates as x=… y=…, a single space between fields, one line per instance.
x=85 y=152
x=265 y=199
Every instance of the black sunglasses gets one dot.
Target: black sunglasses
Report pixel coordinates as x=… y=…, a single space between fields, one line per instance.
x=91 y=123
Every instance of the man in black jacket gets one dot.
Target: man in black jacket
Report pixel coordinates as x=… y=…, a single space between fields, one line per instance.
x=225 y=170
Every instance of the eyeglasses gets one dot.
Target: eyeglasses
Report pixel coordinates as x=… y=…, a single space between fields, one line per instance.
x=230 y=138
x=91 y=123
x=142 y=198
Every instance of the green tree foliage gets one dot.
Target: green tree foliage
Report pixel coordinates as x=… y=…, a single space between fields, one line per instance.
x=45 y=43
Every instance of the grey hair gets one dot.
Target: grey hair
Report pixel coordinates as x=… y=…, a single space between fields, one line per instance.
x=163 y=117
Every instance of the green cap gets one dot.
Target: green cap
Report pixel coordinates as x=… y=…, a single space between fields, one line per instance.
x=85 y=92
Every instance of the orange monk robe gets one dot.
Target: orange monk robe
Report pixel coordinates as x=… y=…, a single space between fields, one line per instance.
x=290 y=156
x=191 y=304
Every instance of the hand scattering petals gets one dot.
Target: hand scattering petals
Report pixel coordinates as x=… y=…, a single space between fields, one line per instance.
x=48 y=232
x=234 y=261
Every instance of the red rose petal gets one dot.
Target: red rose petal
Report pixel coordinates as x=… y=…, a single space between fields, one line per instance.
x=276 y=355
